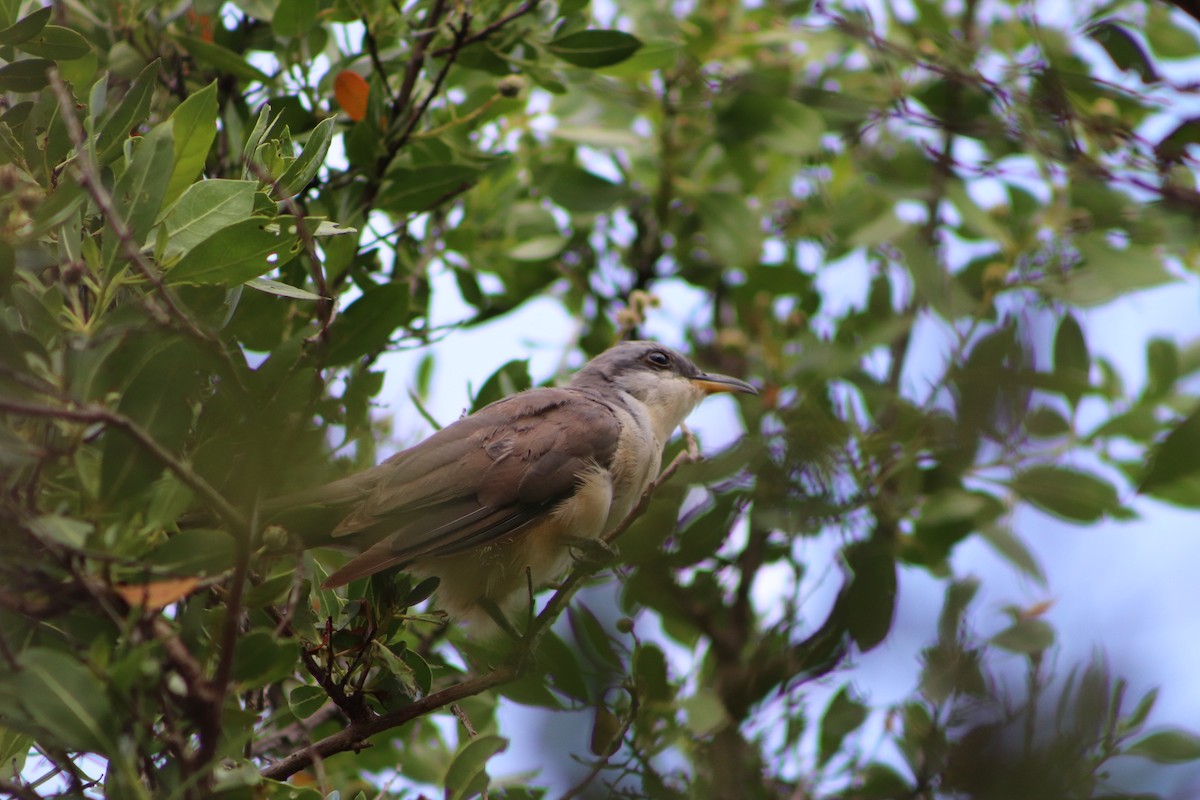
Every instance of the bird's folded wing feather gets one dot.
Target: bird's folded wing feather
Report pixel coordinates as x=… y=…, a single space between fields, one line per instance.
x=477 y=480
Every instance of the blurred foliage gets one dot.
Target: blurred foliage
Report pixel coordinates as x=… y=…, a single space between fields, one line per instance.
x=215 y=217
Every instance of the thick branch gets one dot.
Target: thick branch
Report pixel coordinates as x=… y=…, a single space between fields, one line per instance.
x=355 y=735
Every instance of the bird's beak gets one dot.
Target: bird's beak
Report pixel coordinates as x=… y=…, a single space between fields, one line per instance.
x=711 y=384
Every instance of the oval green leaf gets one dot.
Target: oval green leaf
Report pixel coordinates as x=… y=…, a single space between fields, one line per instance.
x=1026 y=636
x=236 y=254
x=1069 y=494
x=595 y=48
x=57 y=43
x=1171 y=746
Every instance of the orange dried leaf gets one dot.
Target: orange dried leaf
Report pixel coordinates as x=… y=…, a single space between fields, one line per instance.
x=159 y=594
x=351 y=91
x=1037 y=609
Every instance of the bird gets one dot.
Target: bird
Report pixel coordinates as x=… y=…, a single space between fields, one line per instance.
x=495 y=502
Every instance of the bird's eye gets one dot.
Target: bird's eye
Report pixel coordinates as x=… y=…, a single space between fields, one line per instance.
x=658 y=358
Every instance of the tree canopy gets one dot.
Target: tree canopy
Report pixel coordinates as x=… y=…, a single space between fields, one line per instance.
x=217 y=220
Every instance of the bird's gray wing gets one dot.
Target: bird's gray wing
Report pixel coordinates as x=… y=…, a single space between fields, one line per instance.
x=477 y=480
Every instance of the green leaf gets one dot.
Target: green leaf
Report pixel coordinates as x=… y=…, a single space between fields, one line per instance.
x=1026 y=636
x=261 y=659
x=222 y=59
x=138 y=195
x=467 y=774
x=538 y=248
x=1174 y=458
x=14 y=749
x=588 y=629
x=26 y=75
x=306 y=700
x=959 y=595
x=281 y=289
x=1168 y=38
x=367 y=325
x=576 y=189
x=422 y=188
x=422 y=674
x=705 y=714
x=653 y=55
x=732 y=232
x=650 y=671
x=129 y=113
x=262 y=124
x=1107 y=273
x=294 y=18
x=58 y=694
x=1124 y=49
x=26 y=27
x=194 y=123
x=1138 y=716
x=1162 y=368
x=305 y=167
x=58 y=44
x=600 y=136
x=11 y=151
x=1173 y=146
x=1071 y=360
x=125 y=466
x=62 y=530
x=1046 y=423
x=975 y=219
x=757 y=120
x=1010 y=546
x=205 y=208
x=562 y=667
x=510 y=378
x=195 y=552
x=1069 y=494
x=235 y=254
x=595 y=48
x=1170 y=746
x=606 y=727
x=842 y=717
x=867 y=602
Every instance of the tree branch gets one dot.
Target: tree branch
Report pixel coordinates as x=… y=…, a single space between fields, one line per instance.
x=355 y=735
x=21 y=791
x=89 y=178
x=487 y=31
x=99 y=414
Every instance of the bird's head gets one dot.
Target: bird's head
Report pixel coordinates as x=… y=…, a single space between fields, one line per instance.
x=665 y=380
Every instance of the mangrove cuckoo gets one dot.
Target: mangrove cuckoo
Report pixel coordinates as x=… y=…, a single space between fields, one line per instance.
x=498 y=498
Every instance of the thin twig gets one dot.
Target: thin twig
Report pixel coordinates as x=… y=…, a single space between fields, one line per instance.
x=300 y=729
x=602 y=762
x=415 y=117
x=18 y=790
x=491 y=28
x=99 y=414
x=354 y=736
x=210 y=733
x=89 y=179
x=430 y=24
x=458 y=712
